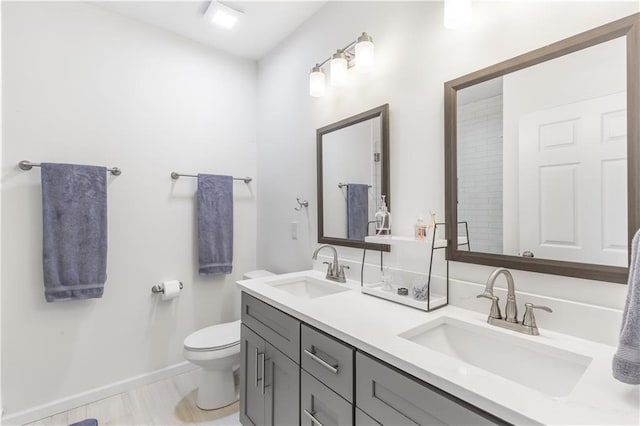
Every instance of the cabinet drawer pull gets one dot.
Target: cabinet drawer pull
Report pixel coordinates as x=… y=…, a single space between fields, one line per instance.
x=325 y=364
x=258 y=353
x=264 y=372
x=312 y=417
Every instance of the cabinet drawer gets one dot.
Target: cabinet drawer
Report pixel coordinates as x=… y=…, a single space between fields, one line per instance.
x=322 y=404
x=362 y=419
x=328 y=360
x=274 y=326
x=393 y=398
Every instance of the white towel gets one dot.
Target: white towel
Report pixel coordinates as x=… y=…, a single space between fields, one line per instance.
x=626 y=362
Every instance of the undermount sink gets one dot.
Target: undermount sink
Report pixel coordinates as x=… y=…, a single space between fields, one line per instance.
x=306 y=286
x=547 y=369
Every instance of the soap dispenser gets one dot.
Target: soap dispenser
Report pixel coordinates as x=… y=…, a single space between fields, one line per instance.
x=383 y=220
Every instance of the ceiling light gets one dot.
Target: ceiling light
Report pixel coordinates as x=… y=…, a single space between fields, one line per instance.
x=364 y=53
x=457 y=13
x=316 y=82
x=222 y=14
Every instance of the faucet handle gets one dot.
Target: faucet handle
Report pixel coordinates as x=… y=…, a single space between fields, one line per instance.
x=329 y=267
x=341 y=270
x=495 y=308
x=529 y=319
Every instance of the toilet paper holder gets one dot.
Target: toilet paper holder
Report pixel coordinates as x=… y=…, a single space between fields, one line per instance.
x=159 y=288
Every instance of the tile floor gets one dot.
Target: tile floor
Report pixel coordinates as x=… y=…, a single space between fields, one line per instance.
x=167 y=402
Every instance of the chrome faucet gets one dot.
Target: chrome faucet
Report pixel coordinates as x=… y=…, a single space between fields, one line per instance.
x=335 y=271
x=510 y=321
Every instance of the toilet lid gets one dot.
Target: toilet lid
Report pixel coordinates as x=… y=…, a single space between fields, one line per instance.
x=217 y=336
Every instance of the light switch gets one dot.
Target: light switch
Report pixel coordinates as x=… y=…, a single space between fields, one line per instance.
x=294 y=230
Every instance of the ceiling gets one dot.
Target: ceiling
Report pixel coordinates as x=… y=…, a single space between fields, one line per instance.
x=262 y=27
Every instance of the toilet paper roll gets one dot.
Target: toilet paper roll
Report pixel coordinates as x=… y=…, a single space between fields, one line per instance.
x=171 y=289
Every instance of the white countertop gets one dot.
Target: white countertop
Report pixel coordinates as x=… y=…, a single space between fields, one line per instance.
x=373 y=325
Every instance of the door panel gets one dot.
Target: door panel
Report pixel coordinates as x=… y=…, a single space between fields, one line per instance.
x=252 y=408
x=282 y=392
x=572 y=159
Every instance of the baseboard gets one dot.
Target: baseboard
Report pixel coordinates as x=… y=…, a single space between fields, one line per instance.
x=96 y=394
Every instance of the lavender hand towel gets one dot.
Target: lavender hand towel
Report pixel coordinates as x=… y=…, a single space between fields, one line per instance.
x=215 y=224
x=86 y=422
x=357 y=211
x=626 y=361
x=74 y=212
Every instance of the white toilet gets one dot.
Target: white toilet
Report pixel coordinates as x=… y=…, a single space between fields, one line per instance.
x=217 y=350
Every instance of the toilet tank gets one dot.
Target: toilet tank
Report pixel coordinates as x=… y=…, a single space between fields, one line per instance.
x=260 y=273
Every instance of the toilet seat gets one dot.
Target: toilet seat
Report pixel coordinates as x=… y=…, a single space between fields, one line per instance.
x=214 y=338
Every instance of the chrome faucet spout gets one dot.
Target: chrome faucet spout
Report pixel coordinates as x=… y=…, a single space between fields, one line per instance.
x=510 y=321
x=511 y=310
x=334 y=271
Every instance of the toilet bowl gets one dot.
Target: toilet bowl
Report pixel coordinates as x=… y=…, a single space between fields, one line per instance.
x=216 y=349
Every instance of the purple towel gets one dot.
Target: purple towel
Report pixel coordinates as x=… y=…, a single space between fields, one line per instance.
x=215 y=224
x=74 y=212
x=357 y=211
x=86 y=422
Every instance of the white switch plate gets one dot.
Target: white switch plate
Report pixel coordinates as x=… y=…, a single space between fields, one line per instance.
x=294 y=230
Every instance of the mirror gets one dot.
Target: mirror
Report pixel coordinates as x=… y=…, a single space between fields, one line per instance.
x=542 y=157
x=353 y=175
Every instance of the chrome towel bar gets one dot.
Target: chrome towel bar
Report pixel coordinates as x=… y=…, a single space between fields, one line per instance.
x=175 y=176
x=28 y=165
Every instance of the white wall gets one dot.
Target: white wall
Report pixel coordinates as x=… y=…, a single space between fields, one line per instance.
x=415 y=55
x=83 y=85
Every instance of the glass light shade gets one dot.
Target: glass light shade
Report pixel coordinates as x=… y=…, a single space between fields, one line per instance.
x=457 y=13
x=316 y=83
x=338 y=69
x=365 y=54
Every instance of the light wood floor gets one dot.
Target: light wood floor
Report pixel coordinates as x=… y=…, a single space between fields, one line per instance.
x=167 y=402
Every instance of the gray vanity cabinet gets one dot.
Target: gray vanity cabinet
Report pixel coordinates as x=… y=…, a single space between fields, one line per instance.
x=269 y=370
x=391 y=397
x=294 y=374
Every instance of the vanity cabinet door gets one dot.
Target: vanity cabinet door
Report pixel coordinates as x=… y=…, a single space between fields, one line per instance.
x=393 y=398
x=276 y=327
x=252 y=352
x=282 y=389
x=322 y=404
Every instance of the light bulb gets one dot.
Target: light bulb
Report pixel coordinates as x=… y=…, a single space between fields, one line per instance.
x=316 y=82
x=365 y=53
x=339 y=68
x=457 y=13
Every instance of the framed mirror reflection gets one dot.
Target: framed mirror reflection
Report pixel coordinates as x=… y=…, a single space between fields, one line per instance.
x=542 y=161
x=352 y=177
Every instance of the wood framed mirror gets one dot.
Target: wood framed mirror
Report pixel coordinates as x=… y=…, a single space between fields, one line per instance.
x=542 y=157
x=352 y=177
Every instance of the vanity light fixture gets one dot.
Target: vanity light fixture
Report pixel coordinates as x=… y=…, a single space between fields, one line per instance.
x=221 y=14
x=358 y=54
x=457 y=13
